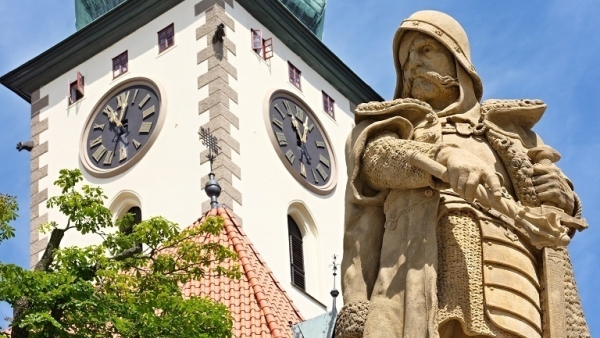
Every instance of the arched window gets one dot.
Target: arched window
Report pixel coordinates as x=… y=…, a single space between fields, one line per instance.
x=296 y=254
x=137 y=218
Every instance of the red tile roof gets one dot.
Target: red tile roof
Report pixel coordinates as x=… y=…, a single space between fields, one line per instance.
x=259 y=305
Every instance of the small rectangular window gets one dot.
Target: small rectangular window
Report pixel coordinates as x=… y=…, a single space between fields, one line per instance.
x=75 y=89
x=120 y=65
x=328 y=104
x=257 y=40
x=294 y=76
x=166 y=38
x=262 y=47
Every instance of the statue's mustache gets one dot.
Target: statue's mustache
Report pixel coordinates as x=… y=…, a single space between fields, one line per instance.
x=444 y=81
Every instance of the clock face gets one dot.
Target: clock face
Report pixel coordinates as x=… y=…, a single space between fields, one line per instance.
x=121 y=128
x=301 y=143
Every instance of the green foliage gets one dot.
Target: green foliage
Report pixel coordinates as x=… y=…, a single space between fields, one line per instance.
x=8 y=213
x=127 y=286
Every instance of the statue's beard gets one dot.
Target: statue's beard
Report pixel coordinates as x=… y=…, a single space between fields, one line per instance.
x=431 y=87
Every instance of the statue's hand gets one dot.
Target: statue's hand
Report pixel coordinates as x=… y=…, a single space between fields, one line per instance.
x=552 y=187
x=466 y=172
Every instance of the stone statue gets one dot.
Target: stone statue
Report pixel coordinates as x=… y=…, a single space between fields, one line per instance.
x=456 y=216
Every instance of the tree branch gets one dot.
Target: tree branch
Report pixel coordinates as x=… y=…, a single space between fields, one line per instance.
x=53 y=245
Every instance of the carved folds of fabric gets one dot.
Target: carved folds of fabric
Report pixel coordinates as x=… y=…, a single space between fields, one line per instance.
x=384 y=163
x=351 y=319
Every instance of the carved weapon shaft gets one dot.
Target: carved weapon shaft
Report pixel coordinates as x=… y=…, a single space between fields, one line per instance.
x=541 y=229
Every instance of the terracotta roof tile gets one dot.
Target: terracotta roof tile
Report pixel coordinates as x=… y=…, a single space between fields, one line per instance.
x=259 y=305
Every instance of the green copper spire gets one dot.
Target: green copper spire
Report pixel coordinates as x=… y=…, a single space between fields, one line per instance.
x=87 y=11
x=310 y=12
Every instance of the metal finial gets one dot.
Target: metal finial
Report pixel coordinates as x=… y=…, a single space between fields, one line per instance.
x=212 y=188
x=334 y=292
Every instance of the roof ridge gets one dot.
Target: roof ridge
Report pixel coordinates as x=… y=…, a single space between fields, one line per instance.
x=263 y=302
x=265 y=266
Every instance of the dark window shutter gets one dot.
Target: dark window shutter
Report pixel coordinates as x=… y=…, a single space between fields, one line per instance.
x=268 y=48
x=296 y=254
x=80 y=84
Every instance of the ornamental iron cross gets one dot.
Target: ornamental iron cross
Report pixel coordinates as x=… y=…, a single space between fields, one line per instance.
x=211 y=142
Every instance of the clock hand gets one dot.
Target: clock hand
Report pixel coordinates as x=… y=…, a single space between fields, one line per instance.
x=304 y=129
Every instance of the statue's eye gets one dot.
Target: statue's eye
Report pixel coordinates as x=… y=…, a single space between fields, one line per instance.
x=426 y=49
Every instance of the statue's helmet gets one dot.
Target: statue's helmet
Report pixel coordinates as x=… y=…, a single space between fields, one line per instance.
x=447 y=31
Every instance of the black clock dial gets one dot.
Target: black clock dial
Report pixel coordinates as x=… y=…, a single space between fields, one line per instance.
x=122 y=126
x=301 y=141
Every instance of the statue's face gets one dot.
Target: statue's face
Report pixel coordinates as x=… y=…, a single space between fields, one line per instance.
x=430 y=73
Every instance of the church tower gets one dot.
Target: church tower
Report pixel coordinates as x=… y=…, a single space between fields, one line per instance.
x=124 y=98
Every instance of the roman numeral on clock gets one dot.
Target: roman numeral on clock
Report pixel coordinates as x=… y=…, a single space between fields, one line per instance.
x=290 y=156
x=134 y=96
x=315 y=176
x=302 y=170
x=122 y=154
x=99 y=126
x=322 y=172
x=287 y=107
x=96 y=141
x=145 y=127
x=279 y=111
x=277 y=122
x=97 y=155
x=320 y=144
x=299 y=114
x=144 y=100
x=108 y=111
x=148 y=112
x=136 y=144
x=323 y=160
x=109 y=156
x=281 y=138
x=122 y=99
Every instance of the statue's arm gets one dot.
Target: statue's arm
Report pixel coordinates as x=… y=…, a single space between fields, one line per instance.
x=385 y=164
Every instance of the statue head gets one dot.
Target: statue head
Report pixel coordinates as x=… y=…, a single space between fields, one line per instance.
x=433 y=61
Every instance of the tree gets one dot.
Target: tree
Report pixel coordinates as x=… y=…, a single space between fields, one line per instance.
x=126 y=286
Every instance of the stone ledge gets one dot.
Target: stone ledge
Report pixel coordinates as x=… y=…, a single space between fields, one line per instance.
x=218 y=123
x=226 y=43
x=38 y=105
x=34 y=212
x=213 y=100
x=221 y=110
x=37 y=222
x=39 y=197
x=35 y=96
x=39 y=150
x=219 y=13
x=211 y=75
x=34 y=188
x=34 y=164
x=209 y=51
x=39 y=127
x=38 y=246
x=227 y=138
x=211 y=26
x=38 y=174
x=224 y=162
x=221 y=174
x=203 y=5
x=214 y=61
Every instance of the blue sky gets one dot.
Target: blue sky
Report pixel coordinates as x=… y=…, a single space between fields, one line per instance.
x=536 y=49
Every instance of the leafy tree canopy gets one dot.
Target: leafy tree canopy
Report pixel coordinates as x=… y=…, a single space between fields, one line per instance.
x=126 y=286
